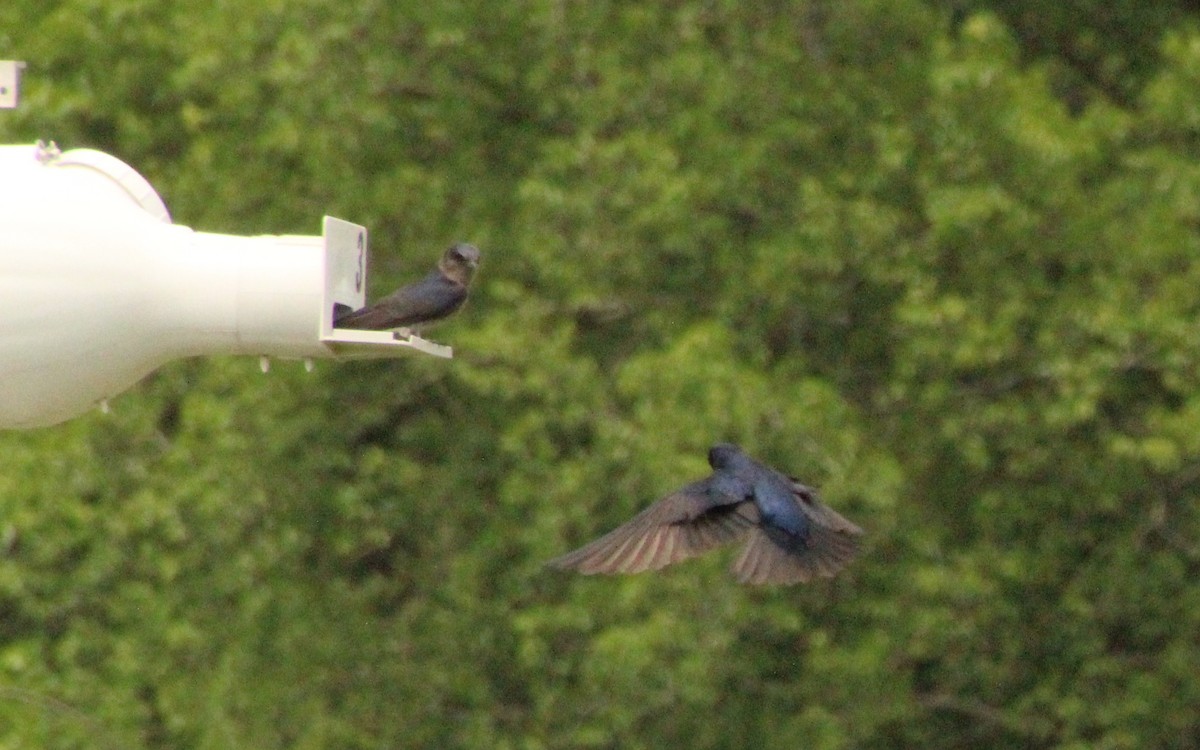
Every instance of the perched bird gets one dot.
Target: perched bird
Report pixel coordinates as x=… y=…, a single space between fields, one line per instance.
x=432 y=298
x=791 y=536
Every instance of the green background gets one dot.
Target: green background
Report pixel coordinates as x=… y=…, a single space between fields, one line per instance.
x=940 y=259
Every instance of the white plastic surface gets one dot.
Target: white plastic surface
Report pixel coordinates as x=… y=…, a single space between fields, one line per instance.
x=138 y=187
x=345 y=262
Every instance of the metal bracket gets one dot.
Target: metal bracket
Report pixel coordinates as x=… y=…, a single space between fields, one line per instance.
x=10 y=78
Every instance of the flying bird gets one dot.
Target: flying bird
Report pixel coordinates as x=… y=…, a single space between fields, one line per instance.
x=432 y=298
x=791 y=536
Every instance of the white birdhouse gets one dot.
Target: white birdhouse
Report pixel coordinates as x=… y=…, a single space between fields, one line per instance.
x=101 y=288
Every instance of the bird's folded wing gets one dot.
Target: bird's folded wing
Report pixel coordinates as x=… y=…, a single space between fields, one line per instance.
x=683 y=524
x=431 y=298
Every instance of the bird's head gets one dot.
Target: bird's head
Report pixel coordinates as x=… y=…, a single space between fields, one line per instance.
x=460 y=261
x=725 y=456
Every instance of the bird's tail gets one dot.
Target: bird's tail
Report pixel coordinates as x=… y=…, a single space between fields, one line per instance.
x=772 y=556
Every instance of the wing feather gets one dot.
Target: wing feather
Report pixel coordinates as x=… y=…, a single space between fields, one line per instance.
x=686 y=523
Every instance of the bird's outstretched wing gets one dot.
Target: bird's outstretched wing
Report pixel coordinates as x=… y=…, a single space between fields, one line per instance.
x=686 y=523
x=772 y=555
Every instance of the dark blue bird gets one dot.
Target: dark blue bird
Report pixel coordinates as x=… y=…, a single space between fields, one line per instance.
x=432 y=298
x=791 y=537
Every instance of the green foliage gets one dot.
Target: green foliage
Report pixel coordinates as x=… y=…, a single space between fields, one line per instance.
x=886 y=247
